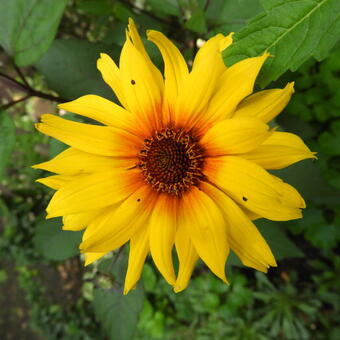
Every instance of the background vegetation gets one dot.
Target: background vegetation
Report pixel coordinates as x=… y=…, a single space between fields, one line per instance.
x=48 y=55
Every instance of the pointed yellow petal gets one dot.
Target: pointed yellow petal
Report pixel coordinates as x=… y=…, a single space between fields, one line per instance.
x=217 y=43
x=133 y=34
x=76 y=162
x=187 y=258
x=289 y=195
x=111 y=76
x=175 y=71
x=236 y=83
x=280 y=150
x=101 y=110
x=244 y=238
x=265 y=105
x=251 y=186
x=236 y=135
x=94 y=191
x=140 y=87
x=80 y=221
x=162 y=236
x=226 y=41
x=55 y=182
x=139 y=249
x=203 y=221
x=199 y=86
x=101 y=140
x=117 y=227
x=92 y=257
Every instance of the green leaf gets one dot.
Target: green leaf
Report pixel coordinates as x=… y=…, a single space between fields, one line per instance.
x=69 y=67
x=95 y=7
x=197 y=22
x=292 y=31
x=7 y=140
x=306 y=177
x=118 y=313
x=53 y=243
x=28 y=27
x=231 y=16
x=166 y=7
x=330 y=140
x=281 y=245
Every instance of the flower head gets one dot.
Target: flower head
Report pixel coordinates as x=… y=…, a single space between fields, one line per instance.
x=181 y=163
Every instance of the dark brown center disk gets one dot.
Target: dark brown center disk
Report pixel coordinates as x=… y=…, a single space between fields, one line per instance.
x=171 y=161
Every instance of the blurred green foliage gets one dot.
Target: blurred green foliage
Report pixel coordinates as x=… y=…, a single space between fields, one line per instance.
x=42 y=278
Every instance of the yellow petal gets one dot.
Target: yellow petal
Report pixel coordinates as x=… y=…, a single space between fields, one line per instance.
x=289 y=195
x=175 y=71
x=55 y=182
x=93 y=191
x=235 y=135
x=251 y=215
x=236 y=83
x=75 y=162
x=265 y=105
x=133 y=34
x=92 y=257
x=217 y=43
x=203 y=221
x=251 y=186
x=139 y=249
x=143 y=92
x=187 y=258
x=111 y=76
x=80 y=221
x=101 y=110
x=162 y=236
x=199 y=86
x=115 y=228
x=280 y=150
x=100 y=140
x=244 y=238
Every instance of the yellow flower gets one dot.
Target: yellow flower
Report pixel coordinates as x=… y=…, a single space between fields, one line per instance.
x=182 y=163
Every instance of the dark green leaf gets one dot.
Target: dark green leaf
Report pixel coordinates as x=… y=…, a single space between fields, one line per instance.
x=231 y=16
x=292 y=31
x=167 y=7
x=330 y=140
x=95 y=7
x=69 y=67
x=197 y=22
x=7 y=140
x=53 y=243
x=28 y=27
x=117 y=313
x=281 y=245
x=318 y=231
x=306 y=177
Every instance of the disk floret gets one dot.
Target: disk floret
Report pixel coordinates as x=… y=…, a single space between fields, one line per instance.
x=171 y=161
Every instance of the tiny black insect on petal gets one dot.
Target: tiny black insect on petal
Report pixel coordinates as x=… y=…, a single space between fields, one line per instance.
x=133 y=82
x=245 y=199
x=138 y=199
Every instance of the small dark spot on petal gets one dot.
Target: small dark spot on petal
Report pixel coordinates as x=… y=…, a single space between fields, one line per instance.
x=133 y=82
x=245 y=199
x=138 y=199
